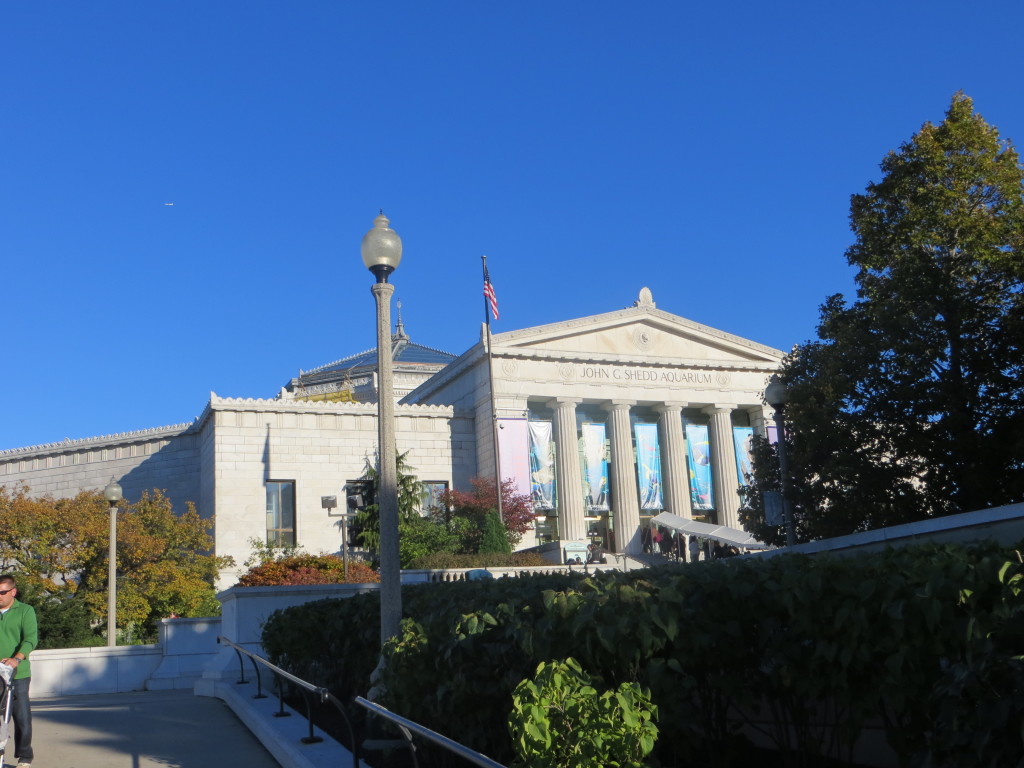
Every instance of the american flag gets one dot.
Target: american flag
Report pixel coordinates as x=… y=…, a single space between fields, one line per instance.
x=490 y=294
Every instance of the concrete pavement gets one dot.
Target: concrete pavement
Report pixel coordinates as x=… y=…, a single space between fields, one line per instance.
x=169 y=729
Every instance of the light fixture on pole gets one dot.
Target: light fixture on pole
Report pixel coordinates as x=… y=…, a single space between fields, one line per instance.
x=776 y=395
x=112 y=493
x=329 y=503
x=382 y=251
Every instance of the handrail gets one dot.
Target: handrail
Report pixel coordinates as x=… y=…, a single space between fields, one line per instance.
x=323 y=693
x=408 y=727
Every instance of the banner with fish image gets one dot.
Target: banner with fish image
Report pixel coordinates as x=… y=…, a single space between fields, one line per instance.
x=698 y=453
x=595 y=467
x=648 y=466
x=742 y=437
x=542 y=465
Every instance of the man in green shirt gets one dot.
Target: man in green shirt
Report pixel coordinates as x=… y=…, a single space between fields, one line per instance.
x=19 y=636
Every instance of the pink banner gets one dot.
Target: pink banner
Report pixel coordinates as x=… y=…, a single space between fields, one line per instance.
x=514 y=445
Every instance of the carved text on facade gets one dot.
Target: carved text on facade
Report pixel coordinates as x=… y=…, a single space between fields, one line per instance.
x=652 y=375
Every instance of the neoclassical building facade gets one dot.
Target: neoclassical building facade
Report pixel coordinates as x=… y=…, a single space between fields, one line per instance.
x=604 y=420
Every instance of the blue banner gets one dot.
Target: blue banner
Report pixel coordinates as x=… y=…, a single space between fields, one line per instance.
x=742 y=437
x=698 y=453
x=648 y=466
x=542 y=465
x=595 y=467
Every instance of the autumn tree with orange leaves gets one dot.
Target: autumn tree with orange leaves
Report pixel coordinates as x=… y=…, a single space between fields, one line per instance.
x=59 y=550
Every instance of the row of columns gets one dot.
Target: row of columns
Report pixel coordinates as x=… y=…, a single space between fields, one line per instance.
x=625 y=502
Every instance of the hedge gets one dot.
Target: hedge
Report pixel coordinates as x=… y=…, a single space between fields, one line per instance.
x=926 y=641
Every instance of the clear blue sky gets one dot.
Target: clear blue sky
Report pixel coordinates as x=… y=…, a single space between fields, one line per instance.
x=589 y=148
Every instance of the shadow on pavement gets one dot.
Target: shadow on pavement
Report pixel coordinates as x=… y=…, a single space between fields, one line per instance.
x=139 y=730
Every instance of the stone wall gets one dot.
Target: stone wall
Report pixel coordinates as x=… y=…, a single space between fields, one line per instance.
x=319 y=447
x=166 y=458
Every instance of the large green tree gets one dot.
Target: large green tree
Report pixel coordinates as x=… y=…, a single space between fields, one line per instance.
x=366 y=524
x=911 y=402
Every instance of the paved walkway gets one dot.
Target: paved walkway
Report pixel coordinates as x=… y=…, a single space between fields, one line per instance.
x=170 y=729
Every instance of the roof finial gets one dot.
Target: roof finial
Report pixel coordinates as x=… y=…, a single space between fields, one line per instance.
x=399 y=327
x=645 y=299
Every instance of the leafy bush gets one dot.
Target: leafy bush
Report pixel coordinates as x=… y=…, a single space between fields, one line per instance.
x=923 y=639
x=475 y=505
x=493 y=538
x=559 y=720
x=64 y=621
x=422 y=536
x=307 y=569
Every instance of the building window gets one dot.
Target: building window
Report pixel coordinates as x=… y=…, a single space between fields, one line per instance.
x=430 y=499
x=280 y=513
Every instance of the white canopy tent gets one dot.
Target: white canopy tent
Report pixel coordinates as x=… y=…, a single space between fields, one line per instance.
x=720 y=533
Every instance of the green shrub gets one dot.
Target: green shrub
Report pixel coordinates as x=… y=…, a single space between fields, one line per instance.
x=422 y=536
x=560 y=720
x=925 y=640
x=64 y=619
x=493 y=538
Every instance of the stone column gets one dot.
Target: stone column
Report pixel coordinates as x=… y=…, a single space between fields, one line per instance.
x=723 y=462
x=673 y=459
x=625 y=501
x=760 y=419
x=568 y=475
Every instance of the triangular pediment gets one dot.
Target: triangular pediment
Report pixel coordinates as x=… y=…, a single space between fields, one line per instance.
x=641 y=333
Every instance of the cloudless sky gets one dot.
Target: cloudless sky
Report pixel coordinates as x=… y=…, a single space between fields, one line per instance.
x=589 y=148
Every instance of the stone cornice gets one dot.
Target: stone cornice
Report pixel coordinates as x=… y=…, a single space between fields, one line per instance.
x=476 y=353
x=635 y=359
x=512 y=344
x=88 y=443
x=625 y=315
x=261 y=405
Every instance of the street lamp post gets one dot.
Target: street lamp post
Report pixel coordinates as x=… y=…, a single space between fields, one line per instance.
x=777 y=396
x=382 y=251
x=112 y=493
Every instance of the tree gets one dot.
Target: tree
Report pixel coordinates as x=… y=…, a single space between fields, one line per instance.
x=60 y=548
x=164 y=564
x=42 y=538
x=765 y=477
x=516 y=508
x=366 y=525
x=911 y=402
x=493 y=536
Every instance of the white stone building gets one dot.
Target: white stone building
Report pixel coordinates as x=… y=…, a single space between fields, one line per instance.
x=605 y=420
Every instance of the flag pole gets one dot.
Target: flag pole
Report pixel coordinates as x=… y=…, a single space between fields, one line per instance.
x=489 y=299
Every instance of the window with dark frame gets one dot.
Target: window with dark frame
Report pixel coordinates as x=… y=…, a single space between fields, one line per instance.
x=280 y=513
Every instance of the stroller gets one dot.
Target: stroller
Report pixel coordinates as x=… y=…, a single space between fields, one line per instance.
x=6 y=675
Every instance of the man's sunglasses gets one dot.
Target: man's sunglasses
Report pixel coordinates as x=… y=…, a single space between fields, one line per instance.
x=5 y=591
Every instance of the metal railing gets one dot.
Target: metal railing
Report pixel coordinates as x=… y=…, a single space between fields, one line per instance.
x=305 y=688
x=443 y=575
x=409 y=729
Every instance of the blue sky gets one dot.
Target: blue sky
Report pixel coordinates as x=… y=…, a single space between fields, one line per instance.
x=706 y=150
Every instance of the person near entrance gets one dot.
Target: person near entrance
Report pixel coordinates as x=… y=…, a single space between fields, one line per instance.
x=19 y=635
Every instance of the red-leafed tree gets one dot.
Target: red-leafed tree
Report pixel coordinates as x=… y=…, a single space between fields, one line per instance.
x=516 y=508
